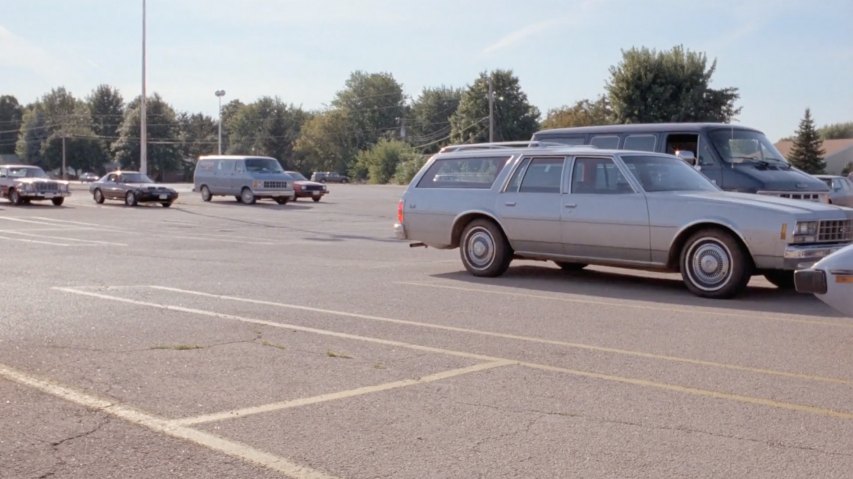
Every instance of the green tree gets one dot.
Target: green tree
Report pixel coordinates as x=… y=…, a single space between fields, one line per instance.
x=373 y=105
x=11 y=114
x=229 y=112
x=429 y=128
x=806 y=152
x=836 y=131
x=198 y=135
x=59 y=126
x=266 y=127
x=672 y=86
x=514 y=117
x=326 y=143
x=408 y=168
x=381 y=161
x=847 y=169
x=582 y=113
x=106 y=107
x=163 y=151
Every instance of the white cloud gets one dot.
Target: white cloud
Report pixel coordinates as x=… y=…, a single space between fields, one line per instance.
x=522 y=34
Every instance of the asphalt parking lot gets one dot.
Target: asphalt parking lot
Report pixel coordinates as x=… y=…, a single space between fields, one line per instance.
x=301 y=340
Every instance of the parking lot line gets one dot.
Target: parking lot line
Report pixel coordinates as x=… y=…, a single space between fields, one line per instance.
x=515 y=337
x=589 y=374
x=51 y=243
x=73 y=240
x=163 y=426
x=624 y=304
x=237 y=413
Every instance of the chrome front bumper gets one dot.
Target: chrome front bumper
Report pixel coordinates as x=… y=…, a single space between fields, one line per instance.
x=804 y=256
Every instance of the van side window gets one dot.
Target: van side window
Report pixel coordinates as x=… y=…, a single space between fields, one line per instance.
x=598 y=176
x=565 y=140
x=206 y=165
x=640 y=142
x=543 y=175
x=471 y=172
x=610 y=142
x=224 y=166
x=682 y=142
x=238 y=166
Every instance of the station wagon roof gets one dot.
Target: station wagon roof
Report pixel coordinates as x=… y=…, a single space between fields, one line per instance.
x=641 y=128
x=561 y=150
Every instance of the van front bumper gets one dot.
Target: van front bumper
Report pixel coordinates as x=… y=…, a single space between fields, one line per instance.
x=266 y=193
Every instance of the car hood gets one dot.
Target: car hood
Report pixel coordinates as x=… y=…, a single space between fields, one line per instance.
x=782 y=179
x=307 y=183
x=39 y=180
x=147 y=186
x=765 y=202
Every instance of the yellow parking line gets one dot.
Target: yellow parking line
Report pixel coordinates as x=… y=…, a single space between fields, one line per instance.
x=237 y=413
x=639 y=382
x=625 y=304
x=588 y=347
x=134 y=416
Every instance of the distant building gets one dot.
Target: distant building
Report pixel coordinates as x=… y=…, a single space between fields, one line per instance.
x=837 y=153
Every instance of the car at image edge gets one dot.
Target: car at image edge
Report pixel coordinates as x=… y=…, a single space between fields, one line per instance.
x=25 y=183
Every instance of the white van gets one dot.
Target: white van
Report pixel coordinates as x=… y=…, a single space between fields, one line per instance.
x=246 y=178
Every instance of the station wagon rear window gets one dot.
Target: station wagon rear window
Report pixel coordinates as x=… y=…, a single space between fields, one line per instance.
x=471 y=172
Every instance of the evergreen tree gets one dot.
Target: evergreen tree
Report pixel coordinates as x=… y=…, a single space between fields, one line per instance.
x=806 y=153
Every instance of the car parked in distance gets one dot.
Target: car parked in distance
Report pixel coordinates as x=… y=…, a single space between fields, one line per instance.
x=88 y=177
x=246 y=178
x=329 y=177
x=577 y=206
x=831 y=280
x=305 y=188
x=24 y=183
x=840 y=189
x=133 y=188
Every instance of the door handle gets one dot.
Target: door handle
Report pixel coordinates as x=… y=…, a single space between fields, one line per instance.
x=510 y=203
x=570 y=205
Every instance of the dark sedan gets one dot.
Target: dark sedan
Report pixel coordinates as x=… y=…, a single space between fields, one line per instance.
x=133 y=188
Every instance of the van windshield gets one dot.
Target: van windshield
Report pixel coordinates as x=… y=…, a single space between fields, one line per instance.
x=263 y=165
x=739 y=146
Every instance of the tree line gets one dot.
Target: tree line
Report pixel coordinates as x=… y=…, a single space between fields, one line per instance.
x=371 y=130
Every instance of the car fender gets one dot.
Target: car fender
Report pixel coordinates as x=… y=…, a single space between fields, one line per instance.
x=466 y=217
x=685 y=231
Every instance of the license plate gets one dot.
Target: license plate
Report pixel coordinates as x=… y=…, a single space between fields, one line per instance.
x=163 y=197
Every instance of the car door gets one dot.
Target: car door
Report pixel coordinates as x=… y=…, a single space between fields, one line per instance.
x=529 y=207
x=604 y=216
x=111 y=187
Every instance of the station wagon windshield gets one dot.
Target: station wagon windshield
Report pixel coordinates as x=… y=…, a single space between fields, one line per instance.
x=660 y=173
x=263 y=165
x=738 y=146
x=26 y=173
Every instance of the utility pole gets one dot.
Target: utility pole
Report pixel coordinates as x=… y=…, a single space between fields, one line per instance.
x=491 y=111
x=219 y=94
x=143 y=127
x=64 y=175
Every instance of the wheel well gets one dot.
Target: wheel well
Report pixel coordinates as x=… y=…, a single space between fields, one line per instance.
x=463 y=221
x=672 y=261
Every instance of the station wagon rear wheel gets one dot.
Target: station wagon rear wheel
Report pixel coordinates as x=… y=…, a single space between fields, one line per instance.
x=714 y=265
x=484 y=249
x=205 y=193
x=247 y=197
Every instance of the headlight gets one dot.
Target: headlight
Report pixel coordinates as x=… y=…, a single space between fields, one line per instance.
x=805 y=232
x=257 y=184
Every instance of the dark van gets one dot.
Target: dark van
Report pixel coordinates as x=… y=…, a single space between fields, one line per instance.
x=734 y=157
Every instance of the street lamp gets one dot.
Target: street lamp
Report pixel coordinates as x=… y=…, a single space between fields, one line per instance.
x=219 y=94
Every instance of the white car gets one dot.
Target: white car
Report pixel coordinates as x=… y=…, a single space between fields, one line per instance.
x=831 y=280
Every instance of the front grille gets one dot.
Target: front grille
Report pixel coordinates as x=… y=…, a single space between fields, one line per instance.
x=797 y=195
x=275 y=184
x=835 y=230
x=312 y=188
x=45 y=187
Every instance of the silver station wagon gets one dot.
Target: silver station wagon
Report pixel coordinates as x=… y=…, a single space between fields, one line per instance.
x=636 y=209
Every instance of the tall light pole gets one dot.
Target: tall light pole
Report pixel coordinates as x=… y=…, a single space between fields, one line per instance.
x=219 y=94
x=491 y=111
x=143 y=126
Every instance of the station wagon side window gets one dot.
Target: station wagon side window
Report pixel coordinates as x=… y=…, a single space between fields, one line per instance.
x=515 y=181
x=644 y=142
x=543 y=175
x=477 y=172
x=610 y=142
x=598 y=176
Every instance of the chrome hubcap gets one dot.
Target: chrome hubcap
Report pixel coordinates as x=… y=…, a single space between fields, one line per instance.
x=480 y=248
x=710 y=265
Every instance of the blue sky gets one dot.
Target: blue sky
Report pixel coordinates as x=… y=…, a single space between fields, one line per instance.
x=782 y=55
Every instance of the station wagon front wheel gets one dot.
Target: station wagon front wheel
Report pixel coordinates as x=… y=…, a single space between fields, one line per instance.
x=484 y=249
x=714 y=264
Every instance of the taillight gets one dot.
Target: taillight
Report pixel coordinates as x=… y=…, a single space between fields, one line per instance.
x=400 y=212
